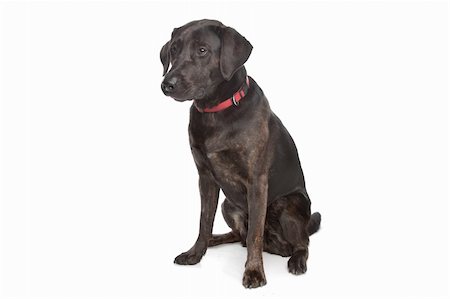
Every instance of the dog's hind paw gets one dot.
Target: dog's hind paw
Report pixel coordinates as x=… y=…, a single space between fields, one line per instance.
x=297 y=264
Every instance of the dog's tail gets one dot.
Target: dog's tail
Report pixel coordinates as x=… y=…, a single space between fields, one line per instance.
x=314 y=223
x=230 y=237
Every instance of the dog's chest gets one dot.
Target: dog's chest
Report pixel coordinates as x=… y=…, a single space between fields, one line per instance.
x=231 y=150
x=228 y=165
x=227 y=159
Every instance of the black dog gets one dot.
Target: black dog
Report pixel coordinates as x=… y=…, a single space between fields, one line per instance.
x=240 y=146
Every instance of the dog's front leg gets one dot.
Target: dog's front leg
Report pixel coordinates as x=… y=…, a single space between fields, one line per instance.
x=209 y=194
x=257 y=205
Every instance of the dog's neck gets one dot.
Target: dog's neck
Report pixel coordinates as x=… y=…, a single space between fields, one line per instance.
x=225 y=90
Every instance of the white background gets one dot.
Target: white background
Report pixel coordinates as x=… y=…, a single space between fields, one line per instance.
x=99 y=190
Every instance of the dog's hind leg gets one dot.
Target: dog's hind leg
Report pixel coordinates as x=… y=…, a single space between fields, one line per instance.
x=230 y=237
x=274 y=240
x=236 y=219
x=294 y=222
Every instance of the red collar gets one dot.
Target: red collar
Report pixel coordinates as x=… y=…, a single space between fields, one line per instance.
x=234 y=100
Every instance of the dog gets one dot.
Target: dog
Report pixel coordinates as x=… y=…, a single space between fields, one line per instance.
x=240 y=147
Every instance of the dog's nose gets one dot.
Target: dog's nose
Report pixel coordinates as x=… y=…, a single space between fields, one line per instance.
x=168 y=85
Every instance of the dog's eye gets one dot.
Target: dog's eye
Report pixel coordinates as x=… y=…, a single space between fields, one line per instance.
x=173 y=50
x=202 y=51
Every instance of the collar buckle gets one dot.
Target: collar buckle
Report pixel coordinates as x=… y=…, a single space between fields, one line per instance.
x=235 y=103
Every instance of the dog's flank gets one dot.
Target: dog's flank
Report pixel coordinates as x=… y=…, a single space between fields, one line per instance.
x=242 y=149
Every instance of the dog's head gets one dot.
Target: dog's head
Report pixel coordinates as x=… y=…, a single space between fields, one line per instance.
x=202 y=54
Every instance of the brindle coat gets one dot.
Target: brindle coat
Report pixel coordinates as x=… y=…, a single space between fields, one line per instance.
x=243 y=150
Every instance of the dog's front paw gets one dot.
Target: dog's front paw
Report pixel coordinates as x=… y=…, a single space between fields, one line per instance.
x=188 y=258
x=253 y=279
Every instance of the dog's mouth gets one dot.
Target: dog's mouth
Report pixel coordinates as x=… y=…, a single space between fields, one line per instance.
x=182 y=98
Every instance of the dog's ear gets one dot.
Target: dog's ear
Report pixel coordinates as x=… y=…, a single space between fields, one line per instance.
x=165 y=56
x=234 y=52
